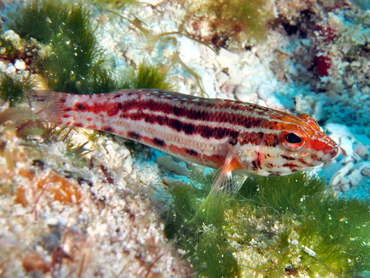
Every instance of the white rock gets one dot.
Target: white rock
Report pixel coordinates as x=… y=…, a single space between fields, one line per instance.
x=10 y=69
x=355 y=177
x=208 y=83
x=3 y=66
x=346 y=145
x=267 y=93
x=365 y=171
x=318 y=114
x=52 y=222
x=244 y=94
x=227 y=59
x=222 y=78
x=361 y=149
x=188 y=49
x=345 y=187
x=228 y=90
x=337 y=178
x=12 y=36
x=20 y=65
x=231 y=61
x=127 y=164
x=337 y=131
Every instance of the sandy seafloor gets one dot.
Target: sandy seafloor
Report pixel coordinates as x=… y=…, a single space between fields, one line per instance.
x=117 y=233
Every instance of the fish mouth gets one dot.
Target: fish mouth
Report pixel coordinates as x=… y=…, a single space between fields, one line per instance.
x=334 y=152
x=329 y=152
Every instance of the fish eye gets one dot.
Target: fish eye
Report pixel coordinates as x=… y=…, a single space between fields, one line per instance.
x=293 y=138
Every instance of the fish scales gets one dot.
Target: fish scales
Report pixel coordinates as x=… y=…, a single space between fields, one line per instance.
x=223 y=134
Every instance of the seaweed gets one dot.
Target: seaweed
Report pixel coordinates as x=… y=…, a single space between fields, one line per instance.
x=8 y=49
x=196 y=225
x=147 y=76
x=12 y=90
x=73 y=61
x=231 y=18
x=273 y=227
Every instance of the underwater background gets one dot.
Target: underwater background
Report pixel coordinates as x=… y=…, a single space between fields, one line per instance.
x=81 y=203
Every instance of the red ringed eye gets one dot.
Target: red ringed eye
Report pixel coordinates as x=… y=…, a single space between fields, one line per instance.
x=293 y=140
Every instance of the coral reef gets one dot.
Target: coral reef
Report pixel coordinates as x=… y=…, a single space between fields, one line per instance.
x=79 y=203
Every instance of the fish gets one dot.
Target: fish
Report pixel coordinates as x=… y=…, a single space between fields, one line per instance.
x=231 y=136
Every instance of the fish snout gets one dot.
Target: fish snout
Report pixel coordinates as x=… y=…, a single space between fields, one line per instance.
x=330 y=150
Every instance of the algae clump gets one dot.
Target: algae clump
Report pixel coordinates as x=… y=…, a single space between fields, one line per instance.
x=72 y=60
x=240 y=19
x=272 y=227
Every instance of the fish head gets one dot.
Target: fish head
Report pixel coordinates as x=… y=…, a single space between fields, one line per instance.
x=290 y=144
x=304 y=145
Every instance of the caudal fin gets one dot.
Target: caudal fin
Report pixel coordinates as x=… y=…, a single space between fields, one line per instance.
x=47 y=105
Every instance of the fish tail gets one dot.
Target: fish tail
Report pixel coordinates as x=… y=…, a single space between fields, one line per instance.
x=47 y=105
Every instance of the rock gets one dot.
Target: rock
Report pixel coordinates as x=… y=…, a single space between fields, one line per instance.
x=267 y=93
x=337 y=178
x=361 y=149
x=337 y=131
x=10 y=69
x=231 y=62
x=222 y=78
x=12 y=36
x=227 y=89
x=189 y=50
x=244 y=94
x=346 y=145
x=3 y=66
x=319 y=114
x=355 y=177
x=165 y=162
x=365 y=171
x=345 y=187
x=20 y=65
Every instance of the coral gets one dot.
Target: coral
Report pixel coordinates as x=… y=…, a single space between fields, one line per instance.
x=70 y=203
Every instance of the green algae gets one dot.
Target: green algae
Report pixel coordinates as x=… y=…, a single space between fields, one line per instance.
x=233 y=18
x=72 y=60
x=147 y=76
x=272 y=227
x=10 y=90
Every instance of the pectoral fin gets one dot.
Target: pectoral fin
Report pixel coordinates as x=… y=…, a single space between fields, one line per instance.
x=223 y=180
